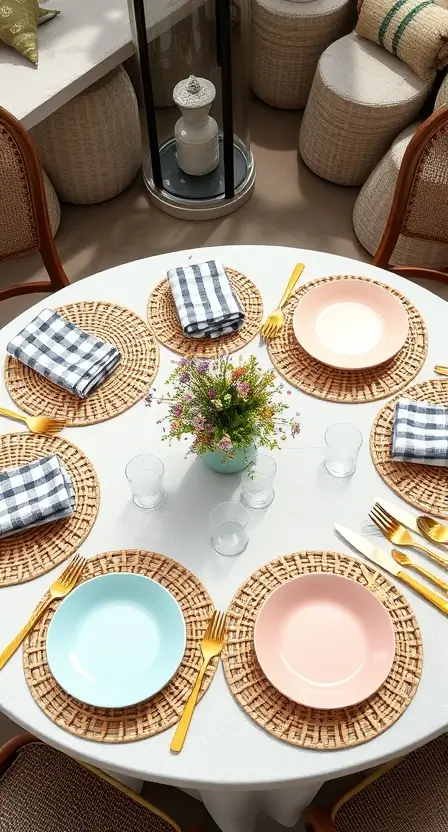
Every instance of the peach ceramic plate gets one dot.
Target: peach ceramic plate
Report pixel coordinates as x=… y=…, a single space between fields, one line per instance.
x=350 y=324
x=324 y=641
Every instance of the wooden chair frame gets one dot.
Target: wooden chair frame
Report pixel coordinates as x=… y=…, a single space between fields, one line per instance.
x=46 y=246
x=407 y=176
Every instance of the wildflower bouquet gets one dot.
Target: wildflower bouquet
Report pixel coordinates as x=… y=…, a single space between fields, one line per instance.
x=224 y=407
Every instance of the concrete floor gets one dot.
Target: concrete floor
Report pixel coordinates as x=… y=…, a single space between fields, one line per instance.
x=290 y=206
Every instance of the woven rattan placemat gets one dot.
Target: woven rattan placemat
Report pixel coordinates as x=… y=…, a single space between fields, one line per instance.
x=423 y=486
x=163 y=320
x=31 y=553
x=160 y=711
x=125 y=386
x=349 y=386
x=297 y=724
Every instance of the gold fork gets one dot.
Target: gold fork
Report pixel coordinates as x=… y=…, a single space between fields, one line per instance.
x=58 y=589
x=397 y=533
x=432 y=530
x=211 y=646
x=36 y=424
x=275 y=322
x=403 y=560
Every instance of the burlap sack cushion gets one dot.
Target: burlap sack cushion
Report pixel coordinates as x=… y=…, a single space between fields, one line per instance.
x=416 y=31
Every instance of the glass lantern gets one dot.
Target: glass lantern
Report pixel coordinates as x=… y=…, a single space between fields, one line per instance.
x=194 y=58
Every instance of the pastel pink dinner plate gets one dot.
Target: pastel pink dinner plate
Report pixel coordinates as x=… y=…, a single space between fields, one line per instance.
x=350 y=324
x=324 y=641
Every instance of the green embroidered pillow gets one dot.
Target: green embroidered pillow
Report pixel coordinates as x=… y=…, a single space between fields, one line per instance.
x=416 y=31
x=18 y=25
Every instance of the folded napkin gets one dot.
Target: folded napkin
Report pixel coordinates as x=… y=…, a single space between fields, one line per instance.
x=63 y=353
x=36 y=493
x=420 y=433
x=206 y=304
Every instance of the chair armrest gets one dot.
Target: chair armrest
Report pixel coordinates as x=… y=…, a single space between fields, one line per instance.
x=318 y=820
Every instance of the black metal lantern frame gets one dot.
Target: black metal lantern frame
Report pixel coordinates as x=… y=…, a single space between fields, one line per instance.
x=230 y=185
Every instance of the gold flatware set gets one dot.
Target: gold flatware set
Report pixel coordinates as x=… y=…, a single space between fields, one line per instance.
x=275 y=322
x=211 y=646
x=58 y=589
x=398 y=534
x=36 y=424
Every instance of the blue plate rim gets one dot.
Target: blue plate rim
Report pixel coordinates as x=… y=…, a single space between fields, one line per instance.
x=81 y=586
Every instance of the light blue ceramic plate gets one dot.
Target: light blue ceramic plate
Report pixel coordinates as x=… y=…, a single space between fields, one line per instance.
x=116 y=640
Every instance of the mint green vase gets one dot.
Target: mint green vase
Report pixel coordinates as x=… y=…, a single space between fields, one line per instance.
x=218 y=461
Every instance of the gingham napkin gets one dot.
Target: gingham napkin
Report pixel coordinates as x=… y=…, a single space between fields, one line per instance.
x=206 y=304
x=36 y=493
x=63 y=353
x=420 y=433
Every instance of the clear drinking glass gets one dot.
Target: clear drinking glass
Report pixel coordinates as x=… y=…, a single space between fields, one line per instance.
x=228 y=523
x=145 y=477
x=256 y=482
x=343 y=442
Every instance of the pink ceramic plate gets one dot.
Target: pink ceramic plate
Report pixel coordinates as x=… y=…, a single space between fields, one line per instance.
x=350 y=324
x=324 y=641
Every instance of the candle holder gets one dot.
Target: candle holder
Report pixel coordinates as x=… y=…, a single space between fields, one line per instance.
x=199 y=166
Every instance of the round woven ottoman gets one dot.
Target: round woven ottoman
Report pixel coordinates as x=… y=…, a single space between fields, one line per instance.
x=53 y=205
x=442 y=95
x=361 y=98
x=372 y=209
x=287 y=41
x=91 y=147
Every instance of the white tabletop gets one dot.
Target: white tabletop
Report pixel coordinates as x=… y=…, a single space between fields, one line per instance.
x=224 y=747
x=87 y=40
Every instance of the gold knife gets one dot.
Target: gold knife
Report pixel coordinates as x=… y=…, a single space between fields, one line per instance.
x=385 y=561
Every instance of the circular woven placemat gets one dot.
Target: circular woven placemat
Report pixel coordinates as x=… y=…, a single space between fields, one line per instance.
x=423 y=486
x=160 y=711
x=350 y=386
x=125 y=386
x=297 y=724
x=31 y=553
x=163 y=320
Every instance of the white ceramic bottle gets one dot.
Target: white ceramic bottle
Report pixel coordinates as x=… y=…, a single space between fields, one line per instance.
x=196 y=132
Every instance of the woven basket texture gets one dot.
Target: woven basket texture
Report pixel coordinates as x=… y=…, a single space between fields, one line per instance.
x=374 y=202
x=53 y=205
x=442 y=95
x=44 y=790
x=352 y=117
x=423 y=486
x=287 y=41
x=91 y=147
x=410 y=797
x=417 y=34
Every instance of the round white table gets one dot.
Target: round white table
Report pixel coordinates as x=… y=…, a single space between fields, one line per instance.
x=235 y=767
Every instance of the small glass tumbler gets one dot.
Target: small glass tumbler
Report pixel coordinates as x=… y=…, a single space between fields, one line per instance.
x=145 y=477
x=343 y=442
x=256 y=482
x=228 y=523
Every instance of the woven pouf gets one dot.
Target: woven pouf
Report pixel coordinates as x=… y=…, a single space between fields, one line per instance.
x=53 y=205
x=91 y=147
x=287 y=40
x=442 y=95
x=372 y=209
x=361 y=98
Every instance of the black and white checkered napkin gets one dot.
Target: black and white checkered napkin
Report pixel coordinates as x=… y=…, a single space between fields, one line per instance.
x=63 y=353
x=420 y=433
x=205 y=301
x=36 y=493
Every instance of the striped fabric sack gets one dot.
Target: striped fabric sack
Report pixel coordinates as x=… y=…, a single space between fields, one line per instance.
x=416 y=31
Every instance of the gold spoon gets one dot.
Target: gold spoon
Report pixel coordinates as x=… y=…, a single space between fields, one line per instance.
x=432 y=529
x=403 y=560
